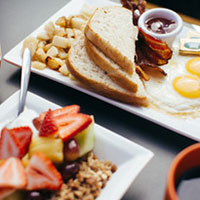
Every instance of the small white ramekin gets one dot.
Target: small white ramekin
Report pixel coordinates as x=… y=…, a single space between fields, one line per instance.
x=161 y=13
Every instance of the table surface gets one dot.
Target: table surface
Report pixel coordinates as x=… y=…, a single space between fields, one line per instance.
x=20 y=18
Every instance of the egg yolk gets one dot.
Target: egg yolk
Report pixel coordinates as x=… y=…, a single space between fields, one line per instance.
x=193 y=66
x=187 y=86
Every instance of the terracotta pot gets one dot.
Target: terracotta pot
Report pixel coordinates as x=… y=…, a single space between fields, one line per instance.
x=184 y=161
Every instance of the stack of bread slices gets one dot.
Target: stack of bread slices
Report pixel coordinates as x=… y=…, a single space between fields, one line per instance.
x=103 y=57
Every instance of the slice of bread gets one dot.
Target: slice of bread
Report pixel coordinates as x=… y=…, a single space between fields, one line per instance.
x=113 y=70
x=112 y=31
x=87 y=72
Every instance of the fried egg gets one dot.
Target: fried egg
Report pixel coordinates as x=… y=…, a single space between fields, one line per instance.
x=179 y=91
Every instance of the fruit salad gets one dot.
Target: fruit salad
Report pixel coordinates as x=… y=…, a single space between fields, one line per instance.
x=34 y=167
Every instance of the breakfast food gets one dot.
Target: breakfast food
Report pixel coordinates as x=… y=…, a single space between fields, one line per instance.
x=56 y=164
x=125 y=63
x=85 y=70
x=112 y=69
x=50 y=47
x=121 y=48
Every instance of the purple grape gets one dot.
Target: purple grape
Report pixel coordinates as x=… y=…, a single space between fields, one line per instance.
x=34 y=195
x=70 y=170
x=71 y=150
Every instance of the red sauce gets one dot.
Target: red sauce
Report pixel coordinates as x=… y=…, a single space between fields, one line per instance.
x=160 y=25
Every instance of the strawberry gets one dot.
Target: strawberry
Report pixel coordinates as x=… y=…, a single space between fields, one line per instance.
x=56 y=114
x=73 y=124
x=63 y=111
x=42 y=174
x=4 y=192
x=37 y=123
x=15 y=142
x=48 y=126
x=12 y=174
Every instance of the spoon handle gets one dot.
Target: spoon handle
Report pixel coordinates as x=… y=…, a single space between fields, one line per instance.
x=25 y=75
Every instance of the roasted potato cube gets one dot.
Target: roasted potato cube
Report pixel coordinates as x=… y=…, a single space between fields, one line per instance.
x=62 y=54
x=70 y=33
x=87 y=10
x=40 y=55
x=30 y=43
x=38 y=65
x=63 y=69
x=43 y=36
x=78 y=22
x=62 y=42
x=69 y=22
x=47 y=47
x=53 y=51
x=62 y=22
x=50 y=29
x=61 y=32
x=41 y=44
x=53 y=63
x=77 y=32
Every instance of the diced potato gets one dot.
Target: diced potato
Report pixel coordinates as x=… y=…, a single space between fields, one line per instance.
x=47 y=47
x=87 y=10
x=38 y=65
x=69 y=22
x=70 y=33
x=41 y=44
x=53 y=63
x=62 y=21
x=62 y=42
x=77 y=22
x=41 y=55
x=61 y=32
x=50 y=28
x=43 y=36
x=53 y=51
x=62 y=54
x=63 y=69
x=77 y=32
x=30 y=43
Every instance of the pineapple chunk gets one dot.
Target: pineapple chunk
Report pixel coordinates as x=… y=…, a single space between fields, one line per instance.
x=51 y=147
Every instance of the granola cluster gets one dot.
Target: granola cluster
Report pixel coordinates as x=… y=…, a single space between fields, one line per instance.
x=88 y=182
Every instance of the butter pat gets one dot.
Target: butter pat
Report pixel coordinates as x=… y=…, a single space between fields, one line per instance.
x=189 y=46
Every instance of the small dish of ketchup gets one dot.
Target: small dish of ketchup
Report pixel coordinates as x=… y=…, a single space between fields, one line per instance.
x=161 y=23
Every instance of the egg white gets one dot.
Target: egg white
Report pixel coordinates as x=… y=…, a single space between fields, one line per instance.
x=160 y=90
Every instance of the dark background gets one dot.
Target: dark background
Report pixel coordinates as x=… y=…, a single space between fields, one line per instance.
x=190 y=8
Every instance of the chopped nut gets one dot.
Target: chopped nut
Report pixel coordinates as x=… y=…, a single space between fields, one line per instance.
x=89 y=181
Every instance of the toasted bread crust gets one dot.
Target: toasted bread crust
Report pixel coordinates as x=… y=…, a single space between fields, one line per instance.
x=124 y=62
x=100 y=87
x=117 y=75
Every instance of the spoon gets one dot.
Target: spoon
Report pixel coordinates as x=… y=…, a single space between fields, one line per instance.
x=25 y=75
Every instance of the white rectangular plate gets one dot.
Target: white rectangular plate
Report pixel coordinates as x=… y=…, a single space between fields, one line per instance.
x=129 y=157
x=186 y=127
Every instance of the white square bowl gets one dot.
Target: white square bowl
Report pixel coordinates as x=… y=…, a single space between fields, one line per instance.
x=129 y=157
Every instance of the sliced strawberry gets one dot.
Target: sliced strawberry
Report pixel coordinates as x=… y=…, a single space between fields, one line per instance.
x=74 y=123
x=42 y=174
x=63 y=111
x=4 y=192
x=48 y=126
x=15 y=142
x=37 y=123
x=12 y=174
